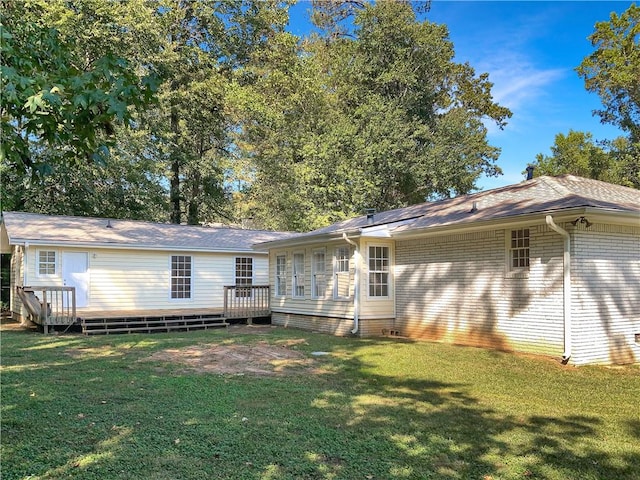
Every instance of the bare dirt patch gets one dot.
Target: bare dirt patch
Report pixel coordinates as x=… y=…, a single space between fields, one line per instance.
x=258 y=359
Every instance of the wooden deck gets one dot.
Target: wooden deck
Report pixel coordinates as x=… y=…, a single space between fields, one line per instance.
x=147 y=321
x=244 y=302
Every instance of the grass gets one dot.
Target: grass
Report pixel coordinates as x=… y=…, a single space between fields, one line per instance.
x=86 y=408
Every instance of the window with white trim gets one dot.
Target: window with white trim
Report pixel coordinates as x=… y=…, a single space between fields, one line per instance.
x=244 y=276
x=281 y=275
x=318 y=274
x=378 y=271
x=46 y=262
x=341 y=272
x=180 y=276
x=519 y=249
x=298 y=275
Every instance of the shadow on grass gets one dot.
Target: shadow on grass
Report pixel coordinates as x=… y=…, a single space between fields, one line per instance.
x=107 y=416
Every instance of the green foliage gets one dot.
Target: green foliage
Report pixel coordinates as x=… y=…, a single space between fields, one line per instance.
x=379 y=118
x=53 y=98
x=577 y=153
x=100 y=407
x=128 y=185
x=247 y=121
x=612 y=70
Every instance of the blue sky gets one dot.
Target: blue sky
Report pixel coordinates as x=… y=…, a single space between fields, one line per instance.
x=530 y=50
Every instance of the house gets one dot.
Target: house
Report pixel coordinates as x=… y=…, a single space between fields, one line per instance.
x=122 y=268
x=549 y=266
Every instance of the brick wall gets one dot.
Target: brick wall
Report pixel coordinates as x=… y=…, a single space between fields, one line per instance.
x=606 y=294
x=332 y=325
x=457 y=289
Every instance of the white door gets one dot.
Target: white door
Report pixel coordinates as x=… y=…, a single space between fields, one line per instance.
x=75 y=273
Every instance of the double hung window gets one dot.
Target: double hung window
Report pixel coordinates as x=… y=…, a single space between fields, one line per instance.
x=181 y=276
x=378 y=271
x=341 y=273
x=519 y=250
x=281 y=275
x=318 y=274
x=298 y=275
x=244 y=276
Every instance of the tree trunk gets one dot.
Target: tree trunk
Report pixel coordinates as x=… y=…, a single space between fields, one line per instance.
x=176 y=213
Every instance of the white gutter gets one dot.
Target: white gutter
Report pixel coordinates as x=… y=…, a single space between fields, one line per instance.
x=130 y=246
x=356 y=285
x=566 y=267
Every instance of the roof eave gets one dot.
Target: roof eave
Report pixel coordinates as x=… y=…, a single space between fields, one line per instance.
x=306 y=240
x=560 y=215
x=120 y=246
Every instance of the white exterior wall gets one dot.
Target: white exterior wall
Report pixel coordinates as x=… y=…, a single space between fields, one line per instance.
x=122 y=279
x=309 y=312
x=307 y=305
x=457 y=288
x=606 y=294
x=16 y=281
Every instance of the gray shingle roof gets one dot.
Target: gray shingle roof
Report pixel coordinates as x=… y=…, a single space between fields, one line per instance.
x=67 y=230
x=544 y=194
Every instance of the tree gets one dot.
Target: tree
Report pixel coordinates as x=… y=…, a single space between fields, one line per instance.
x=382 y=117
x=613 y=70
x=206 y=42
x=575 y=153
x=52 y=97
x=128 y=185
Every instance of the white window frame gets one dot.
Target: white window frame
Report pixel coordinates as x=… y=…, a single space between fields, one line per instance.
x=281 y=275
x=519 y=250
x=318 y=273
x=379 y=269
x=297 y=276
x=243 y=280
x=180 y=276
x=40 y=263
x=339 y=271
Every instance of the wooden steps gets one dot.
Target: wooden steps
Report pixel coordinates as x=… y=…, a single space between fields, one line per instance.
x=149 y=324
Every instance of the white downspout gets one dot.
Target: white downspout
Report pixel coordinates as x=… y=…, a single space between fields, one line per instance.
x=567 y=286
x=356 y=285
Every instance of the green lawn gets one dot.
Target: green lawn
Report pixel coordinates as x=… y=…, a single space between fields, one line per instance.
x=88 y=408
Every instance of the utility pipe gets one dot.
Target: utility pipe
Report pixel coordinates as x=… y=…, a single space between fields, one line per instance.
x=566 y=267
x=356 y=285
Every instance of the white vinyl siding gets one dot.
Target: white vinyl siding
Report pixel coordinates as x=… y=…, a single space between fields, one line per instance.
x=131 y=280
x=181 y=276
x=298 y=275
x=318 y=274
x=281 y=275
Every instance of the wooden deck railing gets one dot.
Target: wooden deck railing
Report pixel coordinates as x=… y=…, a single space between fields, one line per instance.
x=49 y=305
x=246 y=301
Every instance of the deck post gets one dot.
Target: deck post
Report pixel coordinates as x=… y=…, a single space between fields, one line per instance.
x=226 y=301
